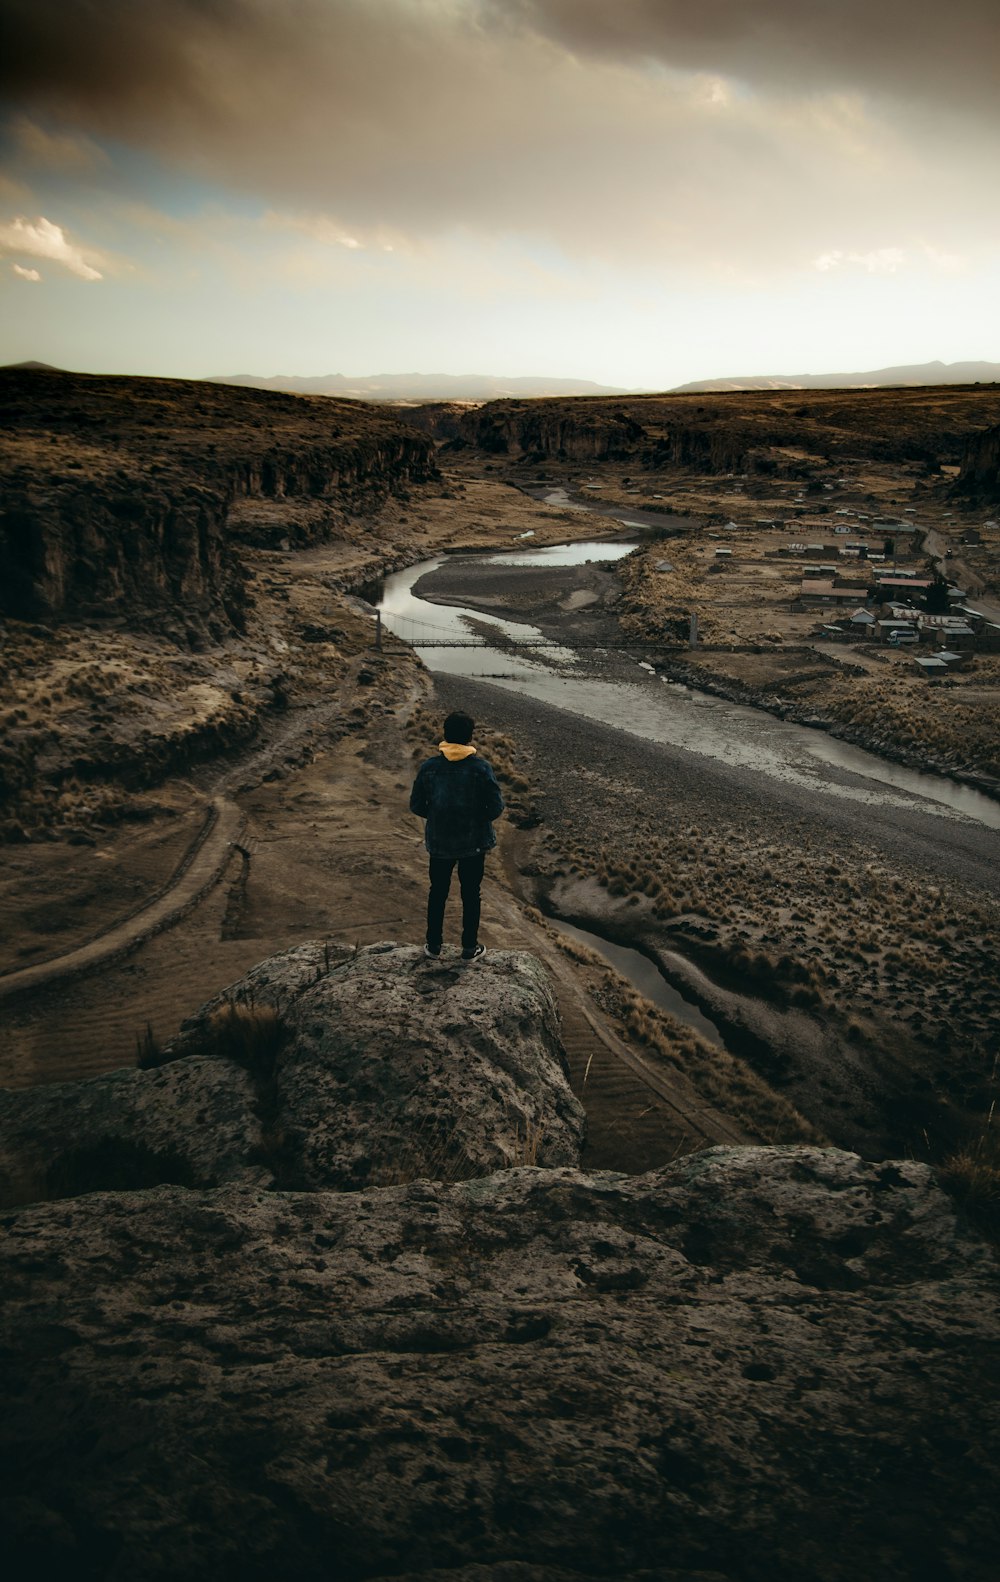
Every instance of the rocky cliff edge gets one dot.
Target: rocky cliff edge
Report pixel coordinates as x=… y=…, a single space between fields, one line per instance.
x=754 y=1363
x=123 y=497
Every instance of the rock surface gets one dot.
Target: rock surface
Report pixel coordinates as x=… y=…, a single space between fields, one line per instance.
x=761 y=1364
x=747 y=431
x=193 y=1123
x=396 y=1066
x=321 y=1068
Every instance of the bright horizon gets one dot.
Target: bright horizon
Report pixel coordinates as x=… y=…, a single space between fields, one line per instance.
x=640 y=196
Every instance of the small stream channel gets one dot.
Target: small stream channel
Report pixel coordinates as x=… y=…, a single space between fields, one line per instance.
x=645 y=976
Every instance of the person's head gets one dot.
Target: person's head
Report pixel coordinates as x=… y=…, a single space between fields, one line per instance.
x=458 y=728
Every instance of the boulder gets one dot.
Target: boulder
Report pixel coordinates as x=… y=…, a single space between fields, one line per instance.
x=758 y=1364
x=395 y=1067
x=323 y=1067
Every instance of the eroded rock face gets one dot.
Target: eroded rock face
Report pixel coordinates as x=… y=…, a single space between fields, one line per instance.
x=321 y=1068
x=761 y=1364
x=749 y=431
x=117 y=492
x=193 y=1123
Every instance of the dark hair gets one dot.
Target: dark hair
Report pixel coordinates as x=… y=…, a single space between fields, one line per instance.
x=458 y=728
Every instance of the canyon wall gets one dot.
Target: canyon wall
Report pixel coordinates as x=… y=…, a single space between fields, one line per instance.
x=119 y=494
x=980 y=473
x=104 y=546
x=737 y=432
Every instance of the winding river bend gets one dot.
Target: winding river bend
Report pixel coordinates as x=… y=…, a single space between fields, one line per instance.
x=647 y=706
x=610 y=708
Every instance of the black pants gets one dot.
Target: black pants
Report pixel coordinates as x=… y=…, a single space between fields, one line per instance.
x=470 y=877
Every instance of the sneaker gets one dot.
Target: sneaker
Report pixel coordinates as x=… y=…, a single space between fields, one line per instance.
x=474 y=954
x=434 y=954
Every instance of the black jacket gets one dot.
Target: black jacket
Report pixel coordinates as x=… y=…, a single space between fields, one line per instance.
x=459 y=801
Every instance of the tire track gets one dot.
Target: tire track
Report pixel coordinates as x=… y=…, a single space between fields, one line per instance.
x=202 y=865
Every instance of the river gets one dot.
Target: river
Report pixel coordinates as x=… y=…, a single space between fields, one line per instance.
x=647 y=705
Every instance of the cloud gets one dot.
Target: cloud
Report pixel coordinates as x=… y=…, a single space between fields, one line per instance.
x=25 y=274
x=928 y=52
x=41 y=238
x=878 y=261
x=742 y=135
x=55 y=150
x=104 y=51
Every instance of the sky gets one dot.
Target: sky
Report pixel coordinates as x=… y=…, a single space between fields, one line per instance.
x=637 y=192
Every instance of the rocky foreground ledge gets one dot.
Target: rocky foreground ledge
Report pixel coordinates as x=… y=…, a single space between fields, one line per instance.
x=753 y=1364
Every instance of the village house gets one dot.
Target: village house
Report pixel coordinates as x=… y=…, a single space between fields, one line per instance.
x=902 y=536
x=885 y=628
x=899 y=612
x=946 y=631
x=974 y=618
x=898 y=582
x=828 y=591
x=830 y=633
x=931 y=666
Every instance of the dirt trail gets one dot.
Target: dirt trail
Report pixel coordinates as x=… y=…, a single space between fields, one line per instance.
x=198 y=872
x=636 y=1111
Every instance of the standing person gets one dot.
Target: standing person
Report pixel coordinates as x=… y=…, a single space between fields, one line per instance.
x=458 y=795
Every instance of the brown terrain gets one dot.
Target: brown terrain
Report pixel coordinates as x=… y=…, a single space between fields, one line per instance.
x=204 y=759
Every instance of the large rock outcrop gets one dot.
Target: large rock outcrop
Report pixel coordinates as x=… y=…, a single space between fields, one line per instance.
x=192 y=1123
x=753 y=1365
x=763 y=1364
x=321 y=1068
x=118 y=492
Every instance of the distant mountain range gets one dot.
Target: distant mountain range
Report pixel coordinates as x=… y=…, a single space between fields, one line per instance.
x=489 y=387
x=418 y=387
x=936 y=373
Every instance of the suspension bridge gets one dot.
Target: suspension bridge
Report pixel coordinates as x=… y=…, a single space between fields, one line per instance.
x=426 y=634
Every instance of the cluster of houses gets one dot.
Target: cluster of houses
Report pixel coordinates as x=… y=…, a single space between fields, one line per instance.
x=861 y=576
x=947 y=641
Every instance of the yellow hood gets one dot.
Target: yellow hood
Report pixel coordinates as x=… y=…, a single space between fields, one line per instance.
x=454 y=752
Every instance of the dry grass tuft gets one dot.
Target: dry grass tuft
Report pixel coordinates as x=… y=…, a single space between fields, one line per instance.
x=252 y=1036
x=972 y=1176
x=530 y=1143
